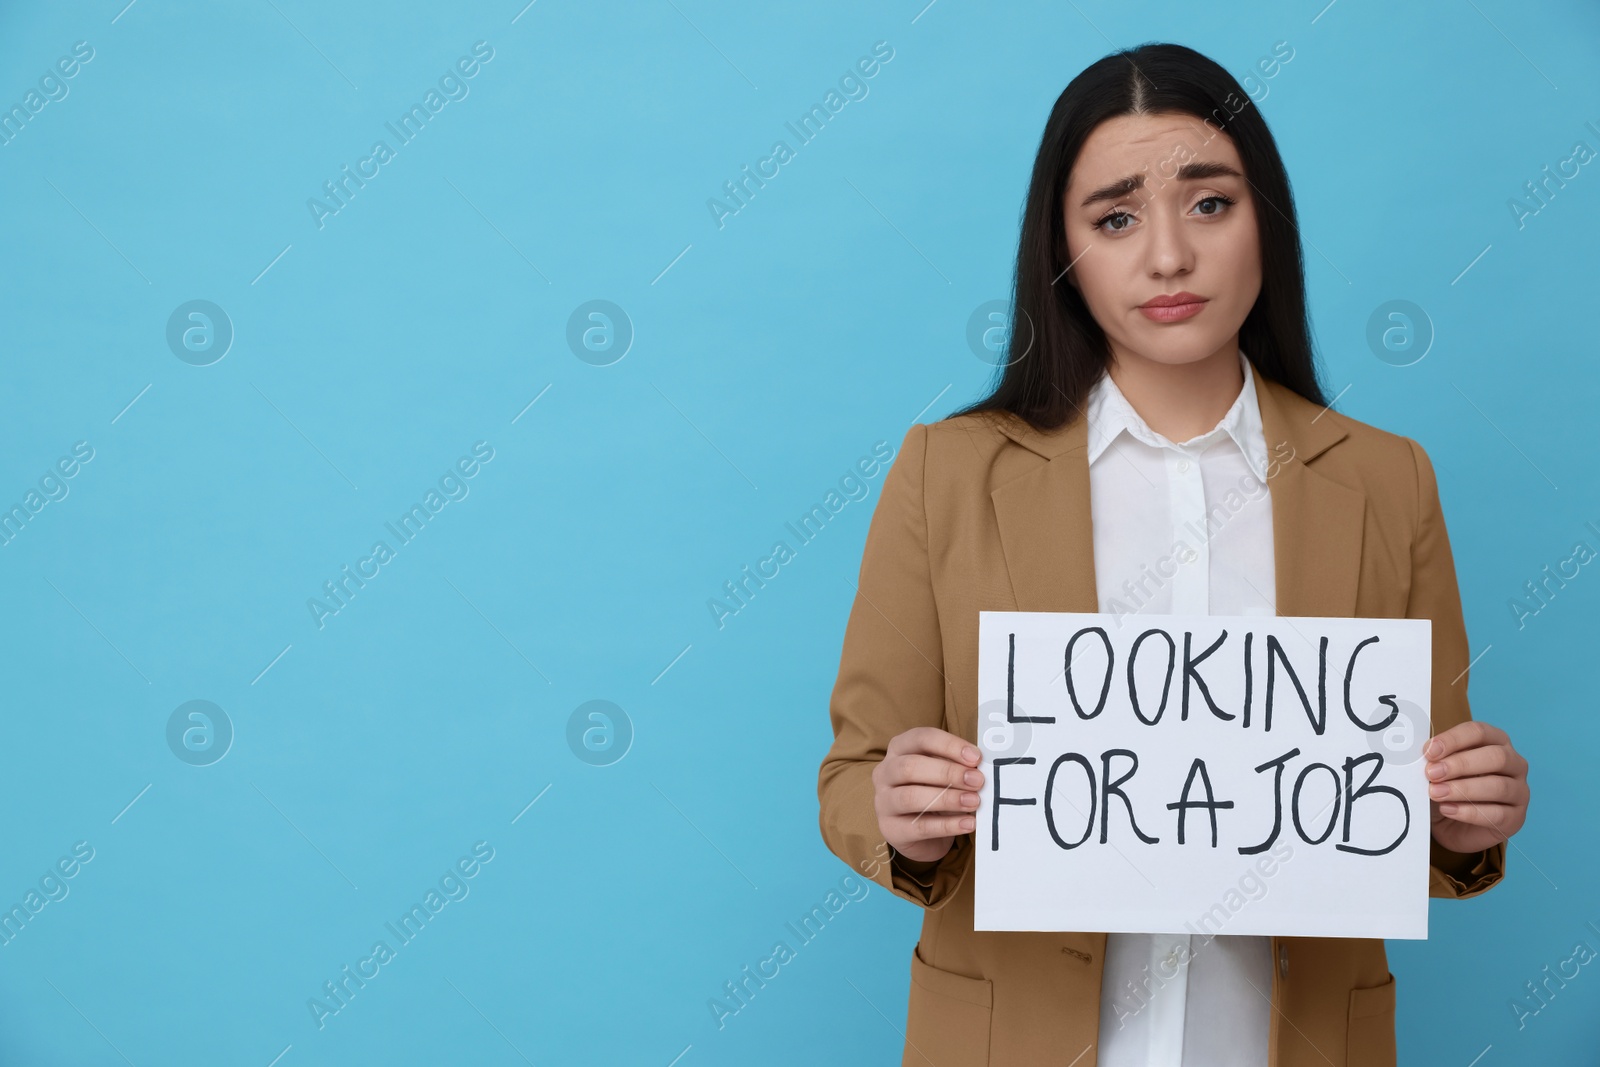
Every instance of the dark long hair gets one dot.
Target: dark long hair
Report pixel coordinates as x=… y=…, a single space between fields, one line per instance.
x=1056 y=351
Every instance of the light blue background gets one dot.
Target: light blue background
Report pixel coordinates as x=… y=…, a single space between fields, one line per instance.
x=826 y=316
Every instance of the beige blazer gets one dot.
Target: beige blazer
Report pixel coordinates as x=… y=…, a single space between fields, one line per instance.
x=977 y=515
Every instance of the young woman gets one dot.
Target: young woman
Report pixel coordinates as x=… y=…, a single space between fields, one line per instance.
x=1160 y=360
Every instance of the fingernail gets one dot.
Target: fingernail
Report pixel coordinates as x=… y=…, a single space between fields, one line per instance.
x=966 y=824
x=1447 y=809
x=1435 y=770
x=1438 y=789
x=969 y=799
x=1432 y=749
x=969 y=753
x=973 y=778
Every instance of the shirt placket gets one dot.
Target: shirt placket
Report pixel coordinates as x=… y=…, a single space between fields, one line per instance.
x=1191 y=595
x=1169 y=965
x=1191 y=586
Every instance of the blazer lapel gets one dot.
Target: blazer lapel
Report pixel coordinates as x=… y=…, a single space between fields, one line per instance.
x=1047 y=533
x=1045 y=528
x=1316 y=522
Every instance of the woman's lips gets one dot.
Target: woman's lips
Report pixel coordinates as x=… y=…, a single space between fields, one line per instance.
x=1172 y=312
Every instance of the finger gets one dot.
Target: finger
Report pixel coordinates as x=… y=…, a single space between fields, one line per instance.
x=932 y=741
x=1483 y=788
x=1501 y=818
x=1491 y=759
x=918 y=799
x=917 y=769
x=934 y=824
x=1469 y=734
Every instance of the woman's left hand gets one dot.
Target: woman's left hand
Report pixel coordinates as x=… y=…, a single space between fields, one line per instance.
x=1478 y=784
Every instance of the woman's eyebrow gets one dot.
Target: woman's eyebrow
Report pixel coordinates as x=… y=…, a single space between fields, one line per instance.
x=1194 y=171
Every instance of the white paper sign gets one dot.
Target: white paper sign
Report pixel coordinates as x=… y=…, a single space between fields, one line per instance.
x=1203 y=774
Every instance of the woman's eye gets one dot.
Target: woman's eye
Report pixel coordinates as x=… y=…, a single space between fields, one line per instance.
x=1118 y=221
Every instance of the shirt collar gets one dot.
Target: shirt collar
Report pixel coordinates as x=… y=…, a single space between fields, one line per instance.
x=1110 y=414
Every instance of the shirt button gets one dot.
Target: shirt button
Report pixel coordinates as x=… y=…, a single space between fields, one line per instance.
x=1188 y=555
x=1283 y=961
x=1183 y=466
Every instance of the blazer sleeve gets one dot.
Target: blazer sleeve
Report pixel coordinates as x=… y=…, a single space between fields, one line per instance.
x=891 y=678
x=1434 y=595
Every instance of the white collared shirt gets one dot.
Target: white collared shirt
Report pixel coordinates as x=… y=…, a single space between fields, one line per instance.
x=1182 y=528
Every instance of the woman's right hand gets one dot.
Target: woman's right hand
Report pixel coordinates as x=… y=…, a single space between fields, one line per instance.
x=925 y=792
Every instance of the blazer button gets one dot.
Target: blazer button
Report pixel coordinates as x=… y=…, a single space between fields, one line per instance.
x=1283 y=961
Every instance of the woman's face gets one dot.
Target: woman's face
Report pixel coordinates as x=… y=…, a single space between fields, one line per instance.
x=1158 y=205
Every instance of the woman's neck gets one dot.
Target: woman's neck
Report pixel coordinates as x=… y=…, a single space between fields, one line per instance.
x=1180 y=400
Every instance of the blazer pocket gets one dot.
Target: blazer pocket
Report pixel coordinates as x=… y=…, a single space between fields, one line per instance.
x=947 y=1017
x=1370 y=1040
